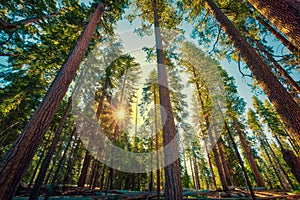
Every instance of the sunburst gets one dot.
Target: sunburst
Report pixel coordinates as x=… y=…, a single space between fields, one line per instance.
x=121 y=115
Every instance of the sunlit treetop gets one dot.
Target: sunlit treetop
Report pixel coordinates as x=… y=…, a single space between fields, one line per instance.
x=168 y=14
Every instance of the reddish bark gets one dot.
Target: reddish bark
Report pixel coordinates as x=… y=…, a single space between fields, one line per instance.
x=253 y=166
x=17 y=160
x=173 y=188
x=283 y=15
x=283 y=102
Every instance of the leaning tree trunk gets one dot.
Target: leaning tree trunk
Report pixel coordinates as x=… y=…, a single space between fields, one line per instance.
x=210 y=166
x=17 y=160
x=291 y=159
x=278 y=67
x=293 y=162
x=277 y=173
x=240 y=160
x=284 y=104
x=278 y=35
x=223 y=161
x=34 y=195
x=173 y=188
x=279 y=165
x=253 y=166
x=220 y=171
x=220 y=168
x=283 y=15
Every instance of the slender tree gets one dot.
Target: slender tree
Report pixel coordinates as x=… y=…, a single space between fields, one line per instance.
x=60 y=165
x=241 y=162
x=269 y=117
x=223 y=161
x=256 y=127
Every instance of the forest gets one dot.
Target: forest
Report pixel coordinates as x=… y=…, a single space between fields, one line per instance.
x=149 y=99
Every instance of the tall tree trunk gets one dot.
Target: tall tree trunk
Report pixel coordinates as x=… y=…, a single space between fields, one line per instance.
x=111 y=178
x=283 y=15
x=92 y=174
x=291 y=159
x=196 y=172
x=150 y=187
x=96 y=180
x=156 y=144
x=49 y=173
x=84 y=169
x=70 y=162
x=210 y=166
x=34 y=195
x=223 y=161
x=278 y=35
x=38 y=164
x=218 y=163
x=293 y=162
x=253 y=166
x=241 y=162
x=277 y=173
x=278 y=67
x=284 y=104
x=280 y=165
x=173 y=189
x=267 y=172
x=59 y=166
x=36 y=168
x=138 y=186
x=101 y=100
x=17 y=160
x=294 y=144
x=102 y=178
x=193 y=172
x=220 y=171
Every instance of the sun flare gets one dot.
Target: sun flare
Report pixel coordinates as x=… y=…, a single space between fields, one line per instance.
x=120 y=114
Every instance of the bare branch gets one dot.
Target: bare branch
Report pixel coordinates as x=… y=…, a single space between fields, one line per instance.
x=217 y=40
x=239 y=67
x=25 y=22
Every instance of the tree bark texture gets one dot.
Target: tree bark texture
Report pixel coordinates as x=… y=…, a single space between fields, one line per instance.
x=283 y=15
x=282 y=101
x=173 y=188
x=17 y=160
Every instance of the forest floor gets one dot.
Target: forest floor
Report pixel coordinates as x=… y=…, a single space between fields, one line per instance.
x=77 y=193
